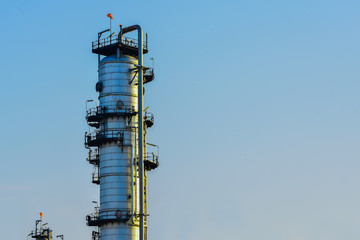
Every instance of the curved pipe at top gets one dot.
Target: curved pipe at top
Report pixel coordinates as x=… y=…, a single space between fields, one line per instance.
x=140 y=42
x=130 y=29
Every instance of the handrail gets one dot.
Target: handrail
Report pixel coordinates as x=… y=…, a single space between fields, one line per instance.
x=104 y=133
x=129 y=109
x=95 y=176
x=151 y=156
x=154 y=146
x=149 y=115
x=131 y=42
x=94 y=155
x=108 y=215
x=149 y=71
x=97 y=137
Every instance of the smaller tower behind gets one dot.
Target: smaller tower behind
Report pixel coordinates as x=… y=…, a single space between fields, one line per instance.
x=41 y=232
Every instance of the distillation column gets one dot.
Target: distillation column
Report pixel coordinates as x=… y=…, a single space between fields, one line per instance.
x=113 y=145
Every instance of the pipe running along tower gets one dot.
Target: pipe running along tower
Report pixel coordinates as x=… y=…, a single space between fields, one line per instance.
x=117 y=144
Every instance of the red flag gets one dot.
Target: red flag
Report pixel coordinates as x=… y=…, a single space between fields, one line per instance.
x=41 y=215
x=110 y=16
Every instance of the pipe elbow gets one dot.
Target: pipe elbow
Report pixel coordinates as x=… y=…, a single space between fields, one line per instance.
x=131 y=28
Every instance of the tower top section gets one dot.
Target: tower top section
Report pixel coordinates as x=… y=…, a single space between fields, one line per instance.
x=110 y=45
x=41 y=232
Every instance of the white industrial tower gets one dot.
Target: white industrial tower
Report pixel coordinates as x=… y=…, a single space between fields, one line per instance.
x=117 y=144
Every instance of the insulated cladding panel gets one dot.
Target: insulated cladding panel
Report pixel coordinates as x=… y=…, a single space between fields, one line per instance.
x=117 y=171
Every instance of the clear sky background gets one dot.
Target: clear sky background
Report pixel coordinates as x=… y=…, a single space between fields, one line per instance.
x=256 y=106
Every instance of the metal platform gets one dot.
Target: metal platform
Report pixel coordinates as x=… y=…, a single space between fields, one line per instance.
x=149 y=75
x=151 y=161
x=149 y=119
x=109 y=45
x=96 y=114
x=94 y=156
x=95 y=139
x=95 y=220
x=95 y=178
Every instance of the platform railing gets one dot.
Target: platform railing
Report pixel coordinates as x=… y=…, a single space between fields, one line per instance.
x=103 y=134
x=96 y=138
x=149 y=71
x=95 y=235
x=149 y=119
x=152 y=157
x=95 y=176
x=131 y=42
x=93 y=156
x=101 y=110
x=148 y=116
x=149 y=75
x=112 y=215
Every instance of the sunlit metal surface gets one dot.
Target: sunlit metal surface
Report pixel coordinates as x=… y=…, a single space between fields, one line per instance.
x=116 y=193
x=117 y=144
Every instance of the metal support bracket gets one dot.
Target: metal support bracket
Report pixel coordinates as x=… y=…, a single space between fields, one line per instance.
x=138 y=215
x=133 y=78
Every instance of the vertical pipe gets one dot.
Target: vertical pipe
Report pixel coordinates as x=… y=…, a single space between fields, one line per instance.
x=146 y=46
x=140 y=120
x=98 y=45
x=118 y=53
x=135 y=173
x=134 y=179
x=132 y=183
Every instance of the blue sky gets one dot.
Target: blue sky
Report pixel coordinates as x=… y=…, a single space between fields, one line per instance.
x=256 y=106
